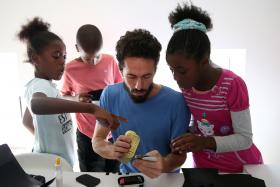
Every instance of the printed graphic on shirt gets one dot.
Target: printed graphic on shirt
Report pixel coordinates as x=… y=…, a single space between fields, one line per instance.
x=205 y=127
x=66 y=123
x=66 y=126
x=225 y=129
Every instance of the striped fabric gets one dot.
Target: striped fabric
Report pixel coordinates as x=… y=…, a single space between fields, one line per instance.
x=211 y=117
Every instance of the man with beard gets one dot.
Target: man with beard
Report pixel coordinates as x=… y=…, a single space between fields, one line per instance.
x=155 y=112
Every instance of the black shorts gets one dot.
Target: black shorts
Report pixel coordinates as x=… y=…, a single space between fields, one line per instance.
x=89 y=161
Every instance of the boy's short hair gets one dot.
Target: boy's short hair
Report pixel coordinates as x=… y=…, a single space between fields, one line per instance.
x=89 y=38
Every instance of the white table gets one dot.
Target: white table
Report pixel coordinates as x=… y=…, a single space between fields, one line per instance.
x=269 y=173
x=111 y=180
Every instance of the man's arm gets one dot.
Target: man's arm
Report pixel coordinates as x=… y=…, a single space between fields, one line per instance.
x=27 y=121
x=105 y=148
x=173 y=161
x=99 y=143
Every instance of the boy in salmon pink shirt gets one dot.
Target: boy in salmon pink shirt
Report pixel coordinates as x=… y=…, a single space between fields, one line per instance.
x=91 y=71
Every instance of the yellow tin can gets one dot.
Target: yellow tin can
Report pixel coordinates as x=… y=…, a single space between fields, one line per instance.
x=135 y=140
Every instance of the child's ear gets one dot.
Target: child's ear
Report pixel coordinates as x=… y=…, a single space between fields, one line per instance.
x=206 y=61
x=34 y=58
x=77 y=48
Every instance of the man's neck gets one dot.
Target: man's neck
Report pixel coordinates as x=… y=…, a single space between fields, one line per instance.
x=155 y=90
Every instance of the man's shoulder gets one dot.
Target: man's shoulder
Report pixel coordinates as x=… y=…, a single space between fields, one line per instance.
x=113 y=93
x=114 y=88
x=171 y=91
x=171 y=95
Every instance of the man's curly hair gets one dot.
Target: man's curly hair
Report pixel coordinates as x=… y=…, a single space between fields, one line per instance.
x=138 y=43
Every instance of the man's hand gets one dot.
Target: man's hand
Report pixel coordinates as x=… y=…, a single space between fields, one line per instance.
x=120 y=147
x=152 y=169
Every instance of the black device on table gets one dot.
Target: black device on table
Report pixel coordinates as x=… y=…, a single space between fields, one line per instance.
x=131 y=180
x=95 y=94
x=88 y=180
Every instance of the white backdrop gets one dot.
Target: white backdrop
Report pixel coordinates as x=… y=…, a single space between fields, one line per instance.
x=252 y=25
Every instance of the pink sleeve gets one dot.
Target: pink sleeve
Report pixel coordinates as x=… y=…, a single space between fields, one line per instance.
x=238 y=98
x=117 y=74
x=66 y=88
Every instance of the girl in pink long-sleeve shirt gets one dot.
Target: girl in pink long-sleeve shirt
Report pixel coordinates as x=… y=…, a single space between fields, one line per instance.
x=221 y=136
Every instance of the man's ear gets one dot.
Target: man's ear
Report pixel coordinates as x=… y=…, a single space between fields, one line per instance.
x=77 y=48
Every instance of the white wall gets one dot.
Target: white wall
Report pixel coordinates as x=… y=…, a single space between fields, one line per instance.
x=252 y=25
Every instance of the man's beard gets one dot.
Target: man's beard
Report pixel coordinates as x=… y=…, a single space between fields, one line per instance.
x=139 y=99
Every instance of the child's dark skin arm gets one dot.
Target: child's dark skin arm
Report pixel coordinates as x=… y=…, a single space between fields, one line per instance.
x=82 y=97
x=27 y=121
x=191 y=142
x=41 y=104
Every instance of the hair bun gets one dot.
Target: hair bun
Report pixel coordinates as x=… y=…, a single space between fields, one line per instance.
x=186 y=11
x=32 y=28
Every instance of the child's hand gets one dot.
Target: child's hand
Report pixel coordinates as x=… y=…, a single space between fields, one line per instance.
x=107 y=119
x=188 y=143
x=84 y=97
